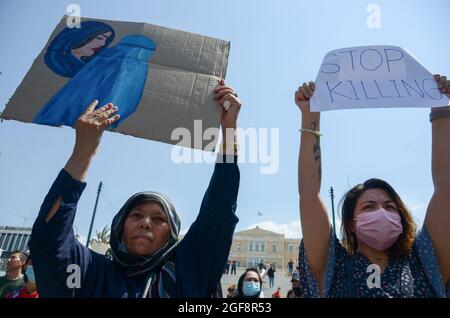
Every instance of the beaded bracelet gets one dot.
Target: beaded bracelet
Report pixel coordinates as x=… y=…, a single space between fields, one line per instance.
x=311 y=131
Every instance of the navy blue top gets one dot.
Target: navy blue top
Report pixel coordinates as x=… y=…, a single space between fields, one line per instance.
x=416 y=275
x=199 y=258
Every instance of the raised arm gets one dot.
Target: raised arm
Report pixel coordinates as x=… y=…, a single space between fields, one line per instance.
x=89 y=130
x=437 y=219
x=204 y=250
x=313 y=215
x=53 y=243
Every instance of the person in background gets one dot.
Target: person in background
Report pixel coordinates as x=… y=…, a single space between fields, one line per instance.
x=227 y=267
x=277 y=293
x=295 y=281
x=271 y=275
x=30 y=289
x=290 y=267
x=13 y=278
x=262 y=270
x=250 y=284
x=290 y=294
x=231 y=291
x=233 y=267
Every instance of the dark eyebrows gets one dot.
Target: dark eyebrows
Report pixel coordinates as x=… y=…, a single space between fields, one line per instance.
x=152 y=213
x=367 y=202
x=373 y=201
x=134 y=211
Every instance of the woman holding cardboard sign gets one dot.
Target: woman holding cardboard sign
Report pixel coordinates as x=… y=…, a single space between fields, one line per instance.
x=380 y=254
x=149 y=260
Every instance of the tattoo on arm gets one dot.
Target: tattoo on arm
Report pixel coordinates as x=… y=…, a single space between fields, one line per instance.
x=316 y=150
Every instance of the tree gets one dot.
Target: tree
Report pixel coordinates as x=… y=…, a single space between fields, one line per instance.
x=102 y=237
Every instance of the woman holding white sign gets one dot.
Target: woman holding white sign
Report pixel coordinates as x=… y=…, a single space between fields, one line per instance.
x=149 y=260
x=380 y=254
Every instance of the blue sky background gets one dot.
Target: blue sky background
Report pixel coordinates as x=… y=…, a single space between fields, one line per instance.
x=275 y=46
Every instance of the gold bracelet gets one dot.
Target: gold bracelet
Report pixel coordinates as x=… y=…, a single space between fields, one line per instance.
x=233 y=146
x=311 y=131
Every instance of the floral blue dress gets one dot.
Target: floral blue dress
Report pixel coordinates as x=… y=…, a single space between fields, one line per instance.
x=415 y=276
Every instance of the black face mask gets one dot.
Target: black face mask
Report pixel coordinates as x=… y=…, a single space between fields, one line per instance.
x=297 y=291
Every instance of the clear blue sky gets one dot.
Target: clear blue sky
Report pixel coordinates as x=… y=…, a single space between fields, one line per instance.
x=275 y=46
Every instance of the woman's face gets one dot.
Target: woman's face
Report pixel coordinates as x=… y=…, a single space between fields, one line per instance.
x=372 y=200
x=92 y=46
x=146 y=229
x=251 y=277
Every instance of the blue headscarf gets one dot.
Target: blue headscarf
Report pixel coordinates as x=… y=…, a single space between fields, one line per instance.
x=59 y=57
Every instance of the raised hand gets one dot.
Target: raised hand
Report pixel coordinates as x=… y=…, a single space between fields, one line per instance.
x=303 y=95
x=227 y=98
x=90 y=127
x=443 y=84
x=89 y=130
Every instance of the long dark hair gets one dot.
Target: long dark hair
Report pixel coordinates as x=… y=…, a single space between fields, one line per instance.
x=59 y=56
x=241 y=283
x=404 y=242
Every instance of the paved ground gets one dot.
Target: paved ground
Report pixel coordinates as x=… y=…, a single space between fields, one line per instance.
x=281 y=280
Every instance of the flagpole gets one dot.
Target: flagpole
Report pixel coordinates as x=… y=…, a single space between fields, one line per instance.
x=258 y=214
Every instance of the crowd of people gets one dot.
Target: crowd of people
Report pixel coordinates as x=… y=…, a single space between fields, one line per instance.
x=149 y=260
x=230 y=264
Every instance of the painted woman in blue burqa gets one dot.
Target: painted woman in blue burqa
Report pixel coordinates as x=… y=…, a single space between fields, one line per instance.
x=111 y=75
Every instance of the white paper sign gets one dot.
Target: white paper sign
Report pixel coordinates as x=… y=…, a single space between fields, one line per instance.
x=374 y=77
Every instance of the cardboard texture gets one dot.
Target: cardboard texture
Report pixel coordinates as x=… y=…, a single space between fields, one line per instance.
x=160 y=78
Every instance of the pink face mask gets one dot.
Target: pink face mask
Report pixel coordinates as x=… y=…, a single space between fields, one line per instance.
x=378 y=229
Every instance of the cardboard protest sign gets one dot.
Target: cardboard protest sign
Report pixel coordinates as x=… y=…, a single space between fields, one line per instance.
x=160 y=79
x=374 y=77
